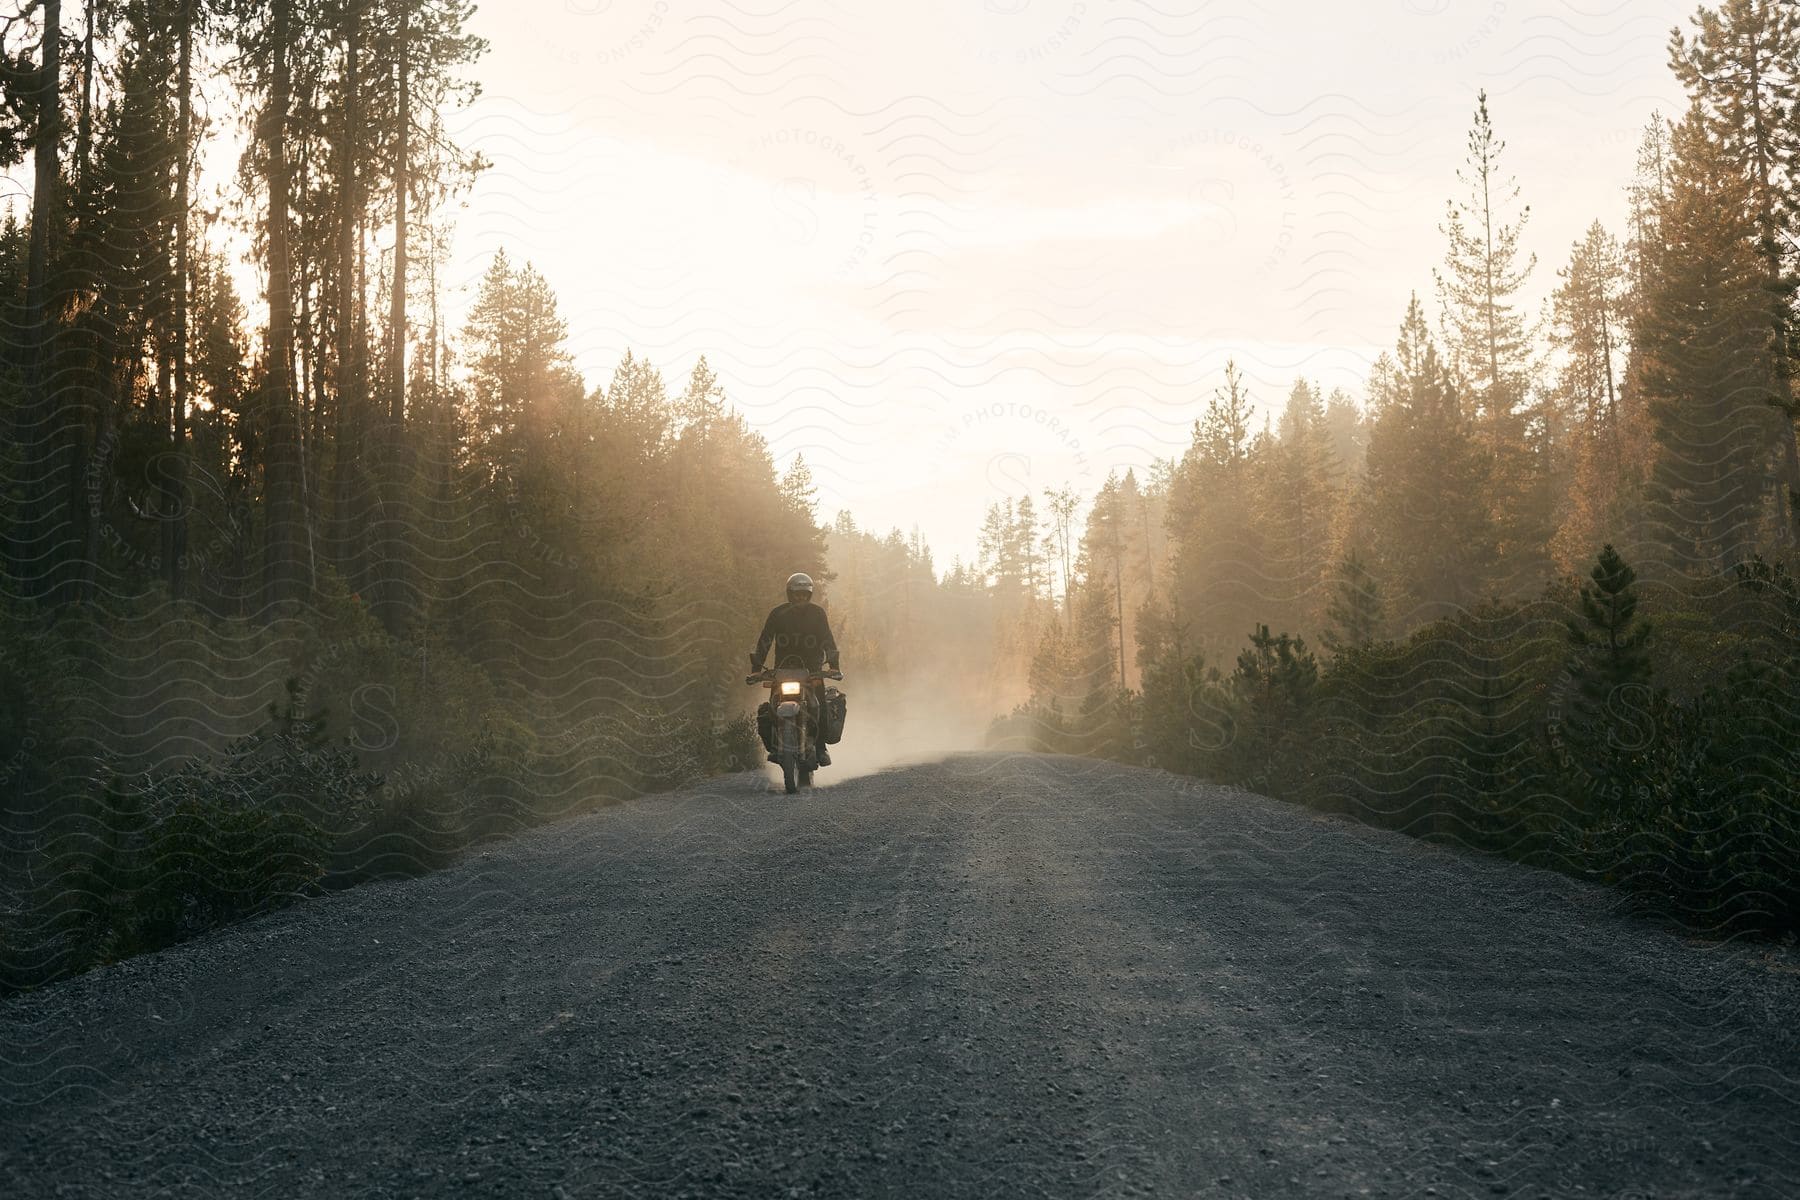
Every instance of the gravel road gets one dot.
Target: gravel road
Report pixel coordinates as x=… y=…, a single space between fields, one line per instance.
x=998 y=975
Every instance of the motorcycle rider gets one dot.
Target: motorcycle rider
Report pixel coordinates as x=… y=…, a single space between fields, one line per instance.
x=799 y=630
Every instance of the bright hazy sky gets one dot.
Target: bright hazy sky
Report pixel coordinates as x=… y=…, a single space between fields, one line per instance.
x=952 y=251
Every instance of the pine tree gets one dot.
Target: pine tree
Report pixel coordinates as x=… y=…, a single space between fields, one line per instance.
x=995 y=546
x=118 y=252
x=1587 y=317
x=1297 y=503
x=1347 y=430
x=1217 y=573
x=1611 y=632
x=352 y=425
x=46 y=547
x=1052 y=668
x=1104 y=549
x=1133 y=582
x=174 y=508
x=1600 y=469
x=1063 y=503
x=423 y=43
x=702 y=405
x=1427 y=482
x=1271 y=695
x=222 y=436
x=1703 y=361
x=1485 y=270
x=271 y=49
x=1354 y=616
x=1275 y=674
x=1152 y=527
x=1739 y=66
x=1223 y=434
x=799 y=490
x=1608 y=659
x=1482 y=277
x=1648 y=195
x=1742 y=70
x=516 y=353
x=1179 y=705
x=1024 y=547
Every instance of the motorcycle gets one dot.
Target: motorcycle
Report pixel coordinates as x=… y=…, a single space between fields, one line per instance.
x=795 y=718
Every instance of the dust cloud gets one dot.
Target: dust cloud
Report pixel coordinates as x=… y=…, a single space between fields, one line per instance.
x=895 y=721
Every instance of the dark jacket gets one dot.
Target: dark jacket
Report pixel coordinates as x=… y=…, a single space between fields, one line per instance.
x=800 y=630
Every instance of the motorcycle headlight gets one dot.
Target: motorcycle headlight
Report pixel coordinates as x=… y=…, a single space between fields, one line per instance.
x=790 y=688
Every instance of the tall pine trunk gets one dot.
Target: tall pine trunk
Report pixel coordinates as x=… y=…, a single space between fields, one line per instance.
x=84 y=128
x=1119 y=596
x=347 y=415
x=1788 y=466
x=174 y=515
x=285 y=530
x=392 y=543
x=402 y=181
x=47 y=546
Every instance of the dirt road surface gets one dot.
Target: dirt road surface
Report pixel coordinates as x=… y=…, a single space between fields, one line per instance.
x=998 y=975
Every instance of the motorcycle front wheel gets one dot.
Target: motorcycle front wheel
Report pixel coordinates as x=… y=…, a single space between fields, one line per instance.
x=790 y=773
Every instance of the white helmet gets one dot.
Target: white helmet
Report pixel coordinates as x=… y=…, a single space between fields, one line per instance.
x=800 y=581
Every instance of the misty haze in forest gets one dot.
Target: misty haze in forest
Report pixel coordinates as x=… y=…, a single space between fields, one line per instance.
x=368 y=498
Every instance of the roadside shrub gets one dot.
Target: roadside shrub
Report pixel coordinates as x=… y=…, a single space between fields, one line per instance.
x=1031 y=729
x=1710 y=831
x=1183 y=723
x=159 y=856
x=1661 y=756
x=1269 y=706
x=736 y=746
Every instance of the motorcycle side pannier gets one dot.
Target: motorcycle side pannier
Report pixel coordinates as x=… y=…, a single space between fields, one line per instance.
x=765 y=726
x=831 y=721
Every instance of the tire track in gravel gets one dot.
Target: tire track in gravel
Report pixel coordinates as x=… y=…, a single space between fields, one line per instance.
x=993 y=975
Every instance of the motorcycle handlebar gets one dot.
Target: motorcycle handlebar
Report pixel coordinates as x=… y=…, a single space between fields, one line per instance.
x=765 y=676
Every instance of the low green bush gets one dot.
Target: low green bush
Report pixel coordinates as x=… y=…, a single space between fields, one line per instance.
x=1660 y=757
x=155 y=857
